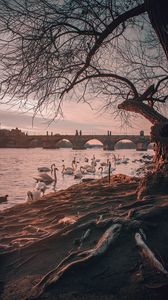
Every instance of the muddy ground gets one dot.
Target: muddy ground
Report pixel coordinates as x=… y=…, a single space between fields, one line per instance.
x=53 y=233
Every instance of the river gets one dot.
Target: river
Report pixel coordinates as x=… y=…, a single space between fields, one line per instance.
x=18 y=167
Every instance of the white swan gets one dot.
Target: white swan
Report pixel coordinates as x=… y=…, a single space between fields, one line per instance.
x=88 y=169
x=91 y=169
x=93 y=161
x=74 y=164
x=68 y=170
x=47 y=179
x=79 y=173
x=41 y=186
x=125 y=160
x=34 y=195
x=46 y=169
x=106 y=170
x=103 y=164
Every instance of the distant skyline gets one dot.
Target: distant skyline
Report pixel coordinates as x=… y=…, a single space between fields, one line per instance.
x=76 y=116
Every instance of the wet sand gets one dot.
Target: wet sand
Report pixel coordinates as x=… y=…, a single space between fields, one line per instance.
x=36 y=237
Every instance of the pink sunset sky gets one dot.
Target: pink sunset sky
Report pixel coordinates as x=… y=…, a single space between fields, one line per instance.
x=76 y=116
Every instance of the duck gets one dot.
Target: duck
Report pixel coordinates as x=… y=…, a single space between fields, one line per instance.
x=3 y=199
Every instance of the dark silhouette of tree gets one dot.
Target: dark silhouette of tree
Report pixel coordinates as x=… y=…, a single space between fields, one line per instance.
x=157 y=11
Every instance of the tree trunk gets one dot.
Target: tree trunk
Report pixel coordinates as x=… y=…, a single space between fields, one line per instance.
x=155 y=182
x=158 y=15
x=159 y=132
x=148 y=112
x=159 y=135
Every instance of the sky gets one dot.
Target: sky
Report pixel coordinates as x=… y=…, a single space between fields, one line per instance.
x=76 y=116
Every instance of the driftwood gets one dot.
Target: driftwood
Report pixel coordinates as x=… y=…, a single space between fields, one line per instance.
x=77 y=258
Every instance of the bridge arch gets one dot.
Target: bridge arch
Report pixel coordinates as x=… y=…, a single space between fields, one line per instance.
x=11 y=143
x=125 y=143
x=35 y=142
x=57 y=142
x=93 y=143
x=64 y=143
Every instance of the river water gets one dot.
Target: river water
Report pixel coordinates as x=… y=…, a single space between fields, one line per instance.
x=18 y=167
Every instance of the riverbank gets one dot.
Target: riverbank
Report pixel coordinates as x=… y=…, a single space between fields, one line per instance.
x=57 y=233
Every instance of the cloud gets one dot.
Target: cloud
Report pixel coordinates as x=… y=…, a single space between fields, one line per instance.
x=76 y=116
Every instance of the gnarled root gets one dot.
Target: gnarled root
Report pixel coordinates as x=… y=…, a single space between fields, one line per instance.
x=77 y=258
x=140 y=238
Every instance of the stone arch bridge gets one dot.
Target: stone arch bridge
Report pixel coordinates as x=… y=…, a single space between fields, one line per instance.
x=78 y=141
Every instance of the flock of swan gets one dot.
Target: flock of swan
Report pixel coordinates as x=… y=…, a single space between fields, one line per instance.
x=84 y=172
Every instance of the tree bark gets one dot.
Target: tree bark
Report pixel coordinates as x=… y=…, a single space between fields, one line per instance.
x=158 y=15
x=144 y=110
x=159 y=132
x=159 y=135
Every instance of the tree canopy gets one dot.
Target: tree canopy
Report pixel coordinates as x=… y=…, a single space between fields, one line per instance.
x=109 y=48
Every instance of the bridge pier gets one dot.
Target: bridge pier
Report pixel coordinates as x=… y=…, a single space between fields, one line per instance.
x=78 y=147
x=109 y=146
x=49 y=145
x=78 y=142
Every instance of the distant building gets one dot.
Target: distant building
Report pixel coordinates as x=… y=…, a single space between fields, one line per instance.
x=5 y=132
x=16 y=132
x=12 y=132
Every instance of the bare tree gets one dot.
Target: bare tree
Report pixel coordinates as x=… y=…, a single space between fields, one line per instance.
x=157 y=11
x=116 y=50
x=50 y=49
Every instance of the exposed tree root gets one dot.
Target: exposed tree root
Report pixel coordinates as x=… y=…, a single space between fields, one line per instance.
x=77 y=258
x=148 y=254
x=72 y=258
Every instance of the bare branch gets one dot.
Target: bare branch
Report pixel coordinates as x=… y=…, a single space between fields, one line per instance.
x=103 y=49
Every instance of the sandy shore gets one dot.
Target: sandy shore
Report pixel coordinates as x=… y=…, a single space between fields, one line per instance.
x=36 y=237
